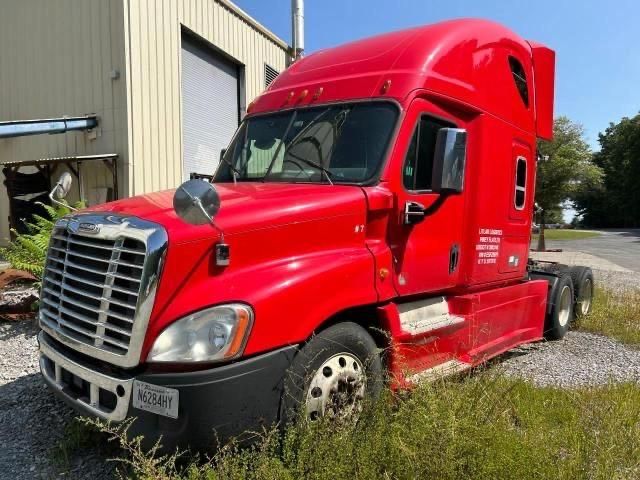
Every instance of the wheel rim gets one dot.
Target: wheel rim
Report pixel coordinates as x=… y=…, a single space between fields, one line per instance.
x=564 y=312
x=586 y=293
x=337 y=388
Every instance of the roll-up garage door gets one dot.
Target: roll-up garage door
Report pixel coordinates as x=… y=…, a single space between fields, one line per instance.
x=209 y=106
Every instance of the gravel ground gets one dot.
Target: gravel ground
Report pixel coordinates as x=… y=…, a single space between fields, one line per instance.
x=616 y=281
x=579 y=360
x=32 y=421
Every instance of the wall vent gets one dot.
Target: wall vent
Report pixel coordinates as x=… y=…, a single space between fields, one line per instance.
x=270 y=75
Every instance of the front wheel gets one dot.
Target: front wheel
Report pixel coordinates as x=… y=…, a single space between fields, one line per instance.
x=332 y=375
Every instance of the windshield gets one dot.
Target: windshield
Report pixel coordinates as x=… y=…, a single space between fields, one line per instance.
x=333 y=144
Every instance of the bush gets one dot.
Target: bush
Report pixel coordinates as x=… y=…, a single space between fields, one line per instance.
x=28 y=251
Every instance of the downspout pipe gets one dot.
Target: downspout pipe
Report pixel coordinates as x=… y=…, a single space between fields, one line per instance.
x=22 y=128
x=297 y=28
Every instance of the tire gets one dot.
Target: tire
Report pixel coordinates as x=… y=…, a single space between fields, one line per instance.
x=561 y=313
x=321 y=381
x=582 y=278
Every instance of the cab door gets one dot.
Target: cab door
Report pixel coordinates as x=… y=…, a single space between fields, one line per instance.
x=427 y=248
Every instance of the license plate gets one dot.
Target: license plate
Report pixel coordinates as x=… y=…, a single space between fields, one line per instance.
x=155 y=399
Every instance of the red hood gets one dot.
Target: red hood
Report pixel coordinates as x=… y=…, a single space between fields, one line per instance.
x=244 y=207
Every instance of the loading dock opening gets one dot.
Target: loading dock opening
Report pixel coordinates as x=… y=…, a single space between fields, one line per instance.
x=25 y=189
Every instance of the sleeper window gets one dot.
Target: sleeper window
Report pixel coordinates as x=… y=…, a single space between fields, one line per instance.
x=418 y=166
x=520 y=79
x=521 y=183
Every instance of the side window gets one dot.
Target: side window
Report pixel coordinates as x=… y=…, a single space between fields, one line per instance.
x=520 y=79
x=418 y=165
x=521 y=183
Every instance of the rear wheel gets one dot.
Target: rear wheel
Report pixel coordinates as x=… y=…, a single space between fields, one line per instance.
x=561 y=313
x=582 y=278
x=332 y=375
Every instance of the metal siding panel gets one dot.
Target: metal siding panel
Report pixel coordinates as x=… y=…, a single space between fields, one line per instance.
x=153 y=159
x=46 y=72
x=145 y=66
x=217 y=33
x=176 y=104
x=162 y=100
x=156 y=131
x=135 y=80
x=125 y=138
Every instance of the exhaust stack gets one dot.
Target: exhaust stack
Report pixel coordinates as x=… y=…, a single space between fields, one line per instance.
x=297 y=28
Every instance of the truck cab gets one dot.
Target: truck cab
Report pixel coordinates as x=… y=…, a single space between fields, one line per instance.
x=378 y=197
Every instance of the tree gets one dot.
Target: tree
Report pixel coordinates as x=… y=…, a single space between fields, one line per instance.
x=617 y=202
x=566 y=171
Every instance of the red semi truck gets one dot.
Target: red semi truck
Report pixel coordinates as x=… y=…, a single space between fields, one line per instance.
x=369 y=222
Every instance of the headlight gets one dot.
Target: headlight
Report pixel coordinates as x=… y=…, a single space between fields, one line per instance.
x=213 y=334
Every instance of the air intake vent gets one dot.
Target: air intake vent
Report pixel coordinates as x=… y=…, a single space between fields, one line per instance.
x=90 y=288
x=270 y=75
x=99 y=284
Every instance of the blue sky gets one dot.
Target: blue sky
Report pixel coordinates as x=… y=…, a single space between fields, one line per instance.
x=597 y=43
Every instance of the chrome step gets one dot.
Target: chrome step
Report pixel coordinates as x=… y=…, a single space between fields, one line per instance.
x=426 y=315
x=445 y=369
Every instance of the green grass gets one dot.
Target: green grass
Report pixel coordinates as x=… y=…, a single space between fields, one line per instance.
x=616 y=315
x=79 y=438
x=76 y=437
x=560 y=234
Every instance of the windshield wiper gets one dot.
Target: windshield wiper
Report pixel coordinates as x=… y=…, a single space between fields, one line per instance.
x=293 y=141
x=234 y=170
x=328 y=173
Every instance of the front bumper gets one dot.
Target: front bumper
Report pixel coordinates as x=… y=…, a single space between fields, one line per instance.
x=215 y=405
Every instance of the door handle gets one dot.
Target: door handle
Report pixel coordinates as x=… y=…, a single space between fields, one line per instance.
x=454 y=257
x=414 y=212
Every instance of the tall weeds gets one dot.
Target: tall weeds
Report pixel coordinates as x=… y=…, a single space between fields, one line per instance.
x=481 y=426
x=616 y=315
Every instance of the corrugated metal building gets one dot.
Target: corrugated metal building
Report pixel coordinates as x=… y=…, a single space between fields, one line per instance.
x=168 y=79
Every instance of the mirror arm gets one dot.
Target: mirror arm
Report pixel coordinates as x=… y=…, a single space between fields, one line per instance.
x=408 y=213
x=58 y=202
x=198 y=204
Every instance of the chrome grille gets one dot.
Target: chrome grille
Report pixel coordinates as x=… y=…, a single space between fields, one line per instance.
x=98 y=287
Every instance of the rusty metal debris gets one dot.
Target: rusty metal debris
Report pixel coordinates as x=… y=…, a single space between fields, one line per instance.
x=18 y=295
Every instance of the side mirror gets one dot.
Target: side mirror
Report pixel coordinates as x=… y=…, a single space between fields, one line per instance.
x=196 y=202
x=222 y=152
x=61 y=190
x=449 y=160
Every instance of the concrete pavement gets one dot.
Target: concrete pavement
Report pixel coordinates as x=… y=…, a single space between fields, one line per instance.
x=620 y=247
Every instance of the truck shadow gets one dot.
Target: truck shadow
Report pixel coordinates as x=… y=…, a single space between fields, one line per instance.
x=35 y=438
x=633 y=233
x=22 y=328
